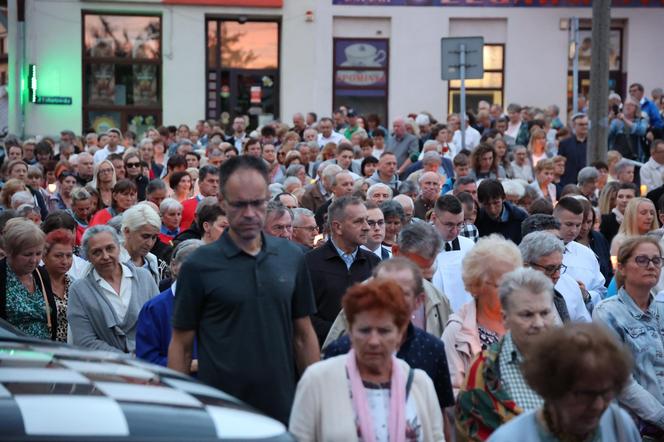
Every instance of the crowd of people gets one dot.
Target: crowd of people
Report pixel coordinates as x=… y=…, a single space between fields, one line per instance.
x=360 y=283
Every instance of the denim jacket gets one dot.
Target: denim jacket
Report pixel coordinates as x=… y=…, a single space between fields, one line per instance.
x=643 y=333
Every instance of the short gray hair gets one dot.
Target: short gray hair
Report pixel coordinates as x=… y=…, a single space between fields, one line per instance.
x=377 y=186
x=524 y=280
x=428 y=143
x=145 y=141
x=421 y=238
x=431 y=157
x=184 y=249
x=409 y=186
x=290 y=181
x=329 y=171
x=588 y=173
x=94 y=231
x=293 y=169
x=301 y=212
x=622 y=164
x=336 y=176
x=535 y=245
x=277 y=209
x=168 y=204
x=79 y=194
x=20 y=198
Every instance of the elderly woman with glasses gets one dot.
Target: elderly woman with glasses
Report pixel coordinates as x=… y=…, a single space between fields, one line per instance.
x=103 y=307
x=479 y=323
x=26 y=298
x=543 y=251
x=368 y=394
x=638 y=320
x=578 y=386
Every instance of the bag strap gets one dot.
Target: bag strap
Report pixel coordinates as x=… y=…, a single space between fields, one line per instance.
x=409 y=382
x=46 y=304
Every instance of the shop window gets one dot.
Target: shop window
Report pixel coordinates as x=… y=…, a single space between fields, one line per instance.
x=242 y=71
x=361 y=75
x=489 y=88
x=121 y=71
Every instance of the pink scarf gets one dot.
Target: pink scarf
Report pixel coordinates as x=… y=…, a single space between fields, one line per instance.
x=397 y=416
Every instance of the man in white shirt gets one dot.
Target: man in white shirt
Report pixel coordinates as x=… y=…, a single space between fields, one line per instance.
x=114 y=136
x=376 y=235
x=652 y=173
x=581 y=262
x=472 y=139
x=448 y=219
x=326 y=134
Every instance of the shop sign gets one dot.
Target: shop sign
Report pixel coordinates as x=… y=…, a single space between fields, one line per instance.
x=65 y=101
x=498 y=3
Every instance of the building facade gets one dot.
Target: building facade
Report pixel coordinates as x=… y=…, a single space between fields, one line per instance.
x=136 y=64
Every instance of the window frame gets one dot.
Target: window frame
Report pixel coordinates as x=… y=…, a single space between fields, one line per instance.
x=451 y=90
x=127 y=109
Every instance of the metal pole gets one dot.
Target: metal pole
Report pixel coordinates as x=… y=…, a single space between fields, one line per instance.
x=599 y=81
x=575 y=66
x=462 y=72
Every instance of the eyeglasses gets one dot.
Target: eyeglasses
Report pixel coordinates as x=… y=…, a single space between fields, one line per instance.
x=372 y=223
x=105 y=170
x=644 y=261
x=281 y=228
x=132 y=165
x=450 y=226
x=550 y=270
x=307 y=228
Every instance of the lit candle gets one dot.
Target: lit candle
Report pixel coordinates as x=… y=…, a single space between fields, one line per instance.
x=614 y=261
x=52 y=188
x=644 y=189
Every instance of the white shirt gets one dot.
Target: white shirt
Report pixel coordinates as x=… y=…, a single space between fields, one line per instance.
x=379 y=251
x=119 y=301
x=447 y=277
x=376 y=153
x=570 y=290
x=102 y=154
x=335 y=137
x=582 y=265
x=472 y=139
x=652 y=174
x=513 y=129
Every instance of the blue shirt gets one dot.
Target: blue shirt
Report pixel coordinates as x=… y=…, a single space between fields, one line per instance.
x=348 y=258
x=420 y=350
x=153 y=329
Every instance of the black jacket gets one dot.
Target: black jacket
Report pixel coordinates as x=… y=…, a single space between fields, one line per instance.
x=41 y=204
x=331 y=278
x=39 y=272
x=510 y=229
x=609 y=226
x=600 y=246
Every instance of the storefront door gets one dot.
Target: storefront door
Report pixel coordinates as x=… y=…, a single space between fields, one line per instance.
x=242 y=70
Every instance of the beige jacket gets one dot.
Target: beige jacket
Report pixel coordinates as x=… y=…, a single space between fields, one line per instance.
x=436 y=307
x=323 y=411
x=462 y=343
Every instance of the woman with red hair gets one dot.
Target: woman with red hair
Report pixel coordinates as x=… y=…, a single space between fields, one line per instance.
x=58 y=258
x=368 y=394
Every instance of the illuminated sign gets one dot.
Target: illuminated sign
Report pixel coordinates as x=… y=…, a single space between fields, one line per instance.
x=32 y=83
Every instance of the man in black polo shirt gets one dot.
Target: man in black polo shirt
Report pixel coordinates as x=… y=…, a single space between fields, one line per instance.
x=247 y=299
x=340 y=262
x=497 y=215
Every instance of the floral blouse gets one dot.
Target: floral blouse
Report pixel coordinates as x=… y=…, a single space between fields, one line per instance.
x=61 y=306
x=26 y=311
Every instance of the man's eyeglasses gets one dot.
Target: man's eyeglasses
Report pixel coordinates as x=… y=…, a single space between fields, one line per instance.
x=307 y=228
x=281 y=228
x=372 y=223
x=550 y=270
x=132 y=165
x=644 y=261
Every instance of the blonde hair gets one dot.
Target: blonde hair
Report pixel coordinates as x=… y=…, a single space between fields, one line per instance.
x=545 y=164
x=629 y=225
x=489 y=252
x=9 y=189
x=21 y=233
x=626 y=250
x=607 y=197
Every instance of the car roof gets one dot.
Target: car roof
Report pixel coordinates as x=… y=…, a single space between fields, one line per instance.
x=51 y=391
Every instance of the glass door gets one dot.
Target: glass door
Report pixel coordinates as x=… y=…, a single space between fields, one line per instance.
x=242 y=71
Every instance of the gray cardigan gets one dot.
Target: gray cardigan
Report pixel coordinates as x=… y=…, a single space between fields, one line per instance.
x=92 y=319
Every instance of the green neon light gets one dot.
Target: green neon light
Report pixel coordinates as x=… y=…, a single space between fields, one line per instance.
x=32 y=83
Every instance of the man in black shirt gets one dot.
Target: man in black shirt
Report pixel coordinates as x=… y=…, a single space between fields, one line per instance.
x=247 y=299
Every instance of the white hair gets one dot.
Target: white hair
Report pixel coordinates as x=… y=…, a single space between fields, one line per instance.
x=405 y=201
x=168 y=204
x=22 y=197
x=377 y=186
x=138 y=216
x=513 y=188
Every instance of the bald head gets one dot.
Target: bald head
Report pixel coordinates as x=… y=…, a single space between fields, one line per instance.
x=430 y=186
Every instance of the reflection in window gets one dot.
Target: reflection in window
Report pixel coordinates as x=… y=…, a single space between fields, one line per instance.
x=122 y=36
x=488 y=88
x=253 y=45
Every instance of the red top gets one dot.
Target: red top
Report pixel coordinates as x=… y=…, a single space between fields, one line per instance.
x=101 y=217
x=188 y=212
